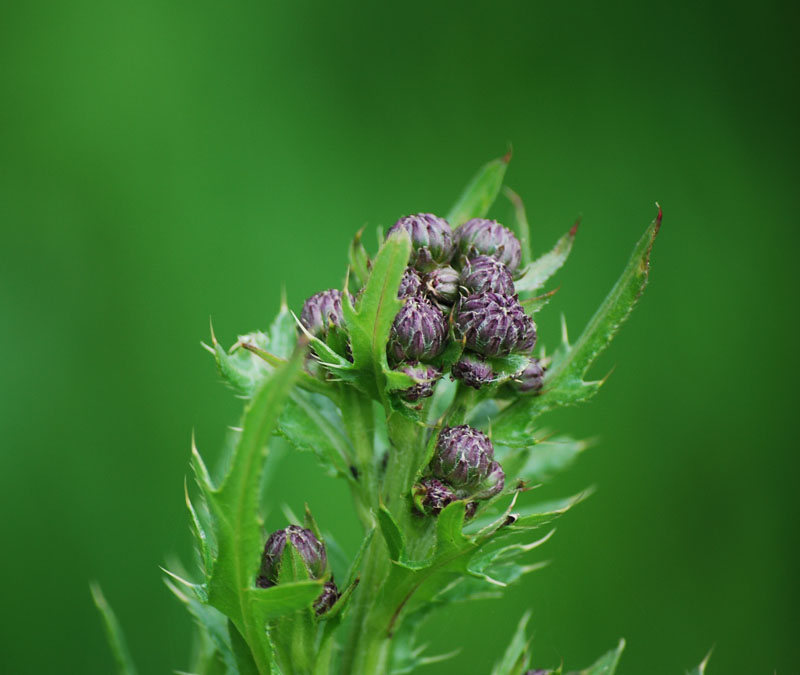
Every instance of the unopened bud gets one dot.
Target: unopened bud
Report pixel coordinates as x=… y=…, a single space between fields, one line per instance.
x=431 y=240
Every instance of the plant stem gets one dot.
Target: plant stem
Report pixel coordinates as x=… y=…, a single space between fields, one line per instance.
x=359 y=421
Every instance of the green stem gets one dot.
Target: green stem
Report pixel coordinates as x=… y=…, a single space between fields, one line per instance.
x=359 y=421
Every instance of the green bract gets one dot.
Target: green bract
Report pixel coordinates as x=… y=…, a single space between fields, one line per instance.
x=438 y=468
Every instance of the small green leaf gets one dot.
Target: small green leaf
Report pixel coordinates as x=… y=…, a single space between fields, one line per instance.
x=369 y=322
x=521 y=226
x=391 y=534
x=114 y=634
x=480 y=193
x=563 y=383
x=606 y=664
x=359 y=260
x=535 y=274
x=515 y=660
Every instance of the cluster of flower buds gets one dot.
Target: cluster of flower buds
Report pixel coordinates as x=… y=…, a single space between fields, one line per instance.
x=463 y=467
x=311 y=551
x=465 y=277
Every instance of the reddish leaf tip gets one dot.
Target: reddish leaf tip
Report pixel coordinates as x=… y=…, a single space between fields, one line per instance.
x=507 y=157
x=574 y=229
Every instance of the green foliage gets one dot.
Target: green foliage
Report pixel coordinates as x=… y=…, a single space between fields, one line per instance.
x=338 y=398
x=114 y=635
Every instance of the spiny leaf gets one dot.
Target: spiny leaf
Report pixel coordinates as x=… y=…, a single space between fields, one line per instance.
x=606 y=664
x=359 y=260
x=563 y=383
x=480 y=193
x=114 y=634
x=369 y=322
x=515 y=659
x=521 y=226
x=234 y=508
x=535 y=274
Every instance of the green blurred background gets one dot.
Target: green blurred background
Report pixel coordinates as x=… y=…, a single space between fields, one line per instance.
x=163 y=162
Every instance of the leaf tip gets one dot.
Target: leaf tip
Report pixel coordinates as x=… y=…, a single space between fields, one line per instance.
x=509 y=154
x=574 y=229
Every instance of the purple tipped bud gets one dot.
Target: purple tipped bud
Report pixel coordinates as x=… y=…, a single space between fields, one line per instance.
x=495 y=482
x=530 y=380
x=327 y=599
x=419 y=332
x=410 y=284
x=426 y=376
x=463 y=456
x=432 y=495
x=494 y=325
x=322 y=311
x=472 y=370
x=488 y=237
x=311 y=550
x=431 y=240
x=485 y=274
x=443 y=284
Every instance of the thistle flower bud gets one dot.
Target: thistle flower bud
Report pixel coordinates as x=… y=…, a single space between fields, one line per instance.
x=484 y=274
x=472 y=370
x=322 y=311
x=327 y=599
x=494 y=325
x=311 y=550
x=418 y=333
x=410 y=284
x=495 y=482
x=463 y=456
x=480 y=236
x=432 y=495
x=442 y=284
x=530 y=380
x=426 y=377
x=431 y=240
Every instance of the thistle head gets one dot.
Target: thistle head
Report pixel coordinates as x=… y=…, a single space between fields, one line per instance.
x=310 y=549
x=419 y=331
x=442 y=284
x=431 y=240
x=494 y=325
x=321 y=312
x=530 y=380
x=472 y=370
x=432 y=495
x=426 y=377
x=410 y=284
x=484 y=274
x=463 y=457
x=480 y=236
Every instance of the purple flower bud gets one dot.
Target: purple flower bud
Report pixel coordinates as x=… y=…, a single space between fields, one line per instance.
x=463 y=456
x=426 y=376
x=472 y=370
x=495 y=482
x=494 y=325
x=431 y=240
x=485 y=274
x=327 y=599
x=530 y=380
x=410 y=284
x=442 y=284
x=418 y=333
x=433 y=495
x=488 y=237
x=311 y=550
x=322 y=311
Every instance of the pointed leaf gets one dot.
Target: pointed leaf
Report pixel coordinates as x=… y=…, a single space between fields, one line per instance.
x=359 y=260
x=114 y=634
x=700 y=668
x=521 y=226
x=606 y=664
x=480 y=193
x=515 y=659
x=369 y=322
x=535 y=274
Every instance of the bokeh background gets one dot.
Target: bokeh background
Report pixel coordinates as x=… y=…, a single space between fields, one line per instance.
x=163 y=162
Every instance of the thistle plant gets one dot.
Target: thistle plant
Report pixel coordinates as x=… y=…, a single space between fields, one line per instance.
x=420 y=383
